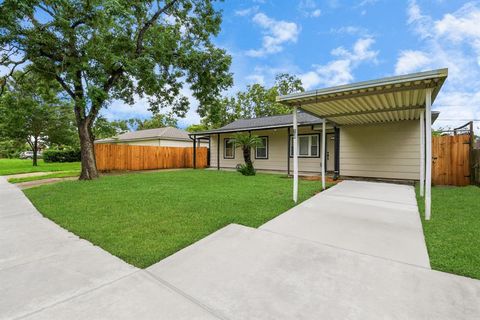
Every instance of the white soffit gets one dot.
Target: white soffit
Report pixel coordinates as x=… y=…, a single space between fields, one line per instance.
x=383 y=100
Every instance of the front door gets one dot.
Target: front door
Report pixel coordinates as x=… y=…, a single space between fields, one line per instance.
x=330 y=137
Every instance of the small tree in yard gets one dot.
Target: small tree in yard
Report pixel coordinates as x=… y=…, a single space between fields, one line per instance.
x=102 y=50
x=31 y=111
x=246 y=142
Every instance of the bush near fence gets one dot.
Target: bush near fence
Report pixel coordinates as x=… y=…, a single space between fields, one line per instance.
x=61 y=155
x=127 y=157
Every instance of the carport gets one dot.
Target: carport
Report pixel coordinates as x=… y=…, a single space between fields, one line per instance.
x=386 y=100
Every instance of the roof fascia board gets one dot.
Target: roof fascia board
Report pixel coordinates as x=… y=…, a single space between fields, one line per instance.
x=390 y=81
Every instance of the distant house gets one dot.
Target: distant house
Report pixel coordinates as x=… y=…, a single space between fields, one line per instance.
x=160 y=137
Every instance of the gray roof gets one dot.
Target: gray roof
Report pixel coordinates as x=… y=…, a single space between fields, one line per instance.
x=266 y=123
x=166 y=133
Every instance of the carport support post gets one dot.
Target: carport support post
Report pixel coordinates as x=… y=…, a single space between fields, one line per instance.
x=422 y=154
x=295 y=155
x=428 y=153
x=323 y=153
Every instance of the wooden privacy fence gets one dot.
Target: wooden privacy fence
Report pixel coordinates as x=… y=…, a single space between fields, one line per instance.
x=127 y=157
x=451 y=160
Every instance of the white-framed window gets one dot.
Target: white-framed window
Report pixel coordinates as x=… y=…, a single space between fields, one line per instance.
x=308 y=145
x=229 y=148
x=261 y=151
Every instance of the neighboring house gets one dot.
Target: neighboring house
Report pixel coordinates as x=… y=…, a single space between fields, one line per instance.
x=160 y=137
x=375 y=133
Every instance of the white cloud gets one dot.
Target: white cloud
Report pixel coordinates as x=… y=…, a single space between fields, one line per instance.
x=276 y=34
x=309 y=8
x=256 y=78
x=411 y=60
x=316 y=13
x=340 y=70
x=453 y=41
x=246 y=12
x=351 y=30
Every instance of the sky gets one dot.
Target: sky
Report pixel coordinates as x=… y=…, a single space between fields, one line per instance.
x=335 y=42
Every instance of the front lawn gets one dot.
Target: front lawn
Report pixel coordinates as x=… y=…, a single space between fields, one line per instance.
x=453 y=232
x=15 y=166
x=145 y=217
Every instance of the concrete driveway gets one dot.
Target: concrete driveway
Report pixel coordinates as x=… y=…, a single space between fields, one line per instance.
x=284 y=270
x=377 y=219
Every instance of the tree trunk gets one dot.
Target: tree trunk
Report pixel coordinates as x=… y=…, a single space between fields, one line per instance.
x=35 y=150
x=89 y=165
x=247 y=156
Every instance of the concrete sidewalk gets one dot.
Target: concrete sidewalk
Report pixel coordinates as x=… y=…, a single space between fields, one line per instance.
x=47 y=272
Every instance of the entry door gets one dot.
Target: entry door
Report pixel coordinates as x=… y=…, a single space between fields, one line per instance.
x=330 y=152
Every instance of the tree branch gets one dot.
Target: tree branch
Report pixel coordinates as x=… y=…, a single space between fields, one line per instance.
x=10 y=73
x=65 y=86
x=149 y=23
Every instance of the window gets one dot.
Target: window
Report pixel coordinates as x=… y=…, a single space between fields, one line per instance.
x=229 y=148
x=308 y=145
x=261 y=152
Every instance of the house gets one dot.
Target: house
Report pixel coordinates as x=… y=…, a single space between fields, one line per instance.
x=160 y=137
x=375 y=129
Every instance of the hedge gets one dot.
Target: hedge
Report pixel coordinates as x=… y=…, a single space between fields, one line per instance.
x=61 y=155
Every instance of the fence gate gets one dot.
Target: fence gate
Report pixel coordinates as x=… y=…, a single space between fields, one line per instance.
x=451 y=160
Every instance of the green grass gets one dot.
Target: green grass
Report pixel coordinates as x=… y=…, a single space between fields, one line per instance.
x=453 y=232
x=145 y=217
x=15 y=166
x=63 y=174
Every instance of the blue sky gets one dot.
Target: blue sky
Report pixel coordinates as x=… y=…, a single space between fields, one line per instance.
x=336 y=41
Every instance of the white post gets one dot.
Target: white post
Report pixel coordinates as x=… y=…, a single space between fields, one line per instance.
x=422 y=153
x=295 y=155
x=323 y=153
x=428 y=153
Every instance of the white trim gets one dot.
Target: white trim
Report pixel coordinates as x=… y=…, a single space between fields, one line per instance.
x=295 y=155
x=323 y=153
x=428 y=153
x=309 y=155
x=266 y=148
x=422 y=154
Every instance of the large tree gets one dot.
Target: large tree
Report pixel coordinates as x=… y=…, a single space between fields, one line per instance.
x=100 y=50
x=256 y=101
x=33 y=111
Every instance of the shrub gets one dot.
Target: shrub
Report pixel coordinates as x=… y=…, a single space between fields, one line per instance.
x=246 y=170
x=72 y=155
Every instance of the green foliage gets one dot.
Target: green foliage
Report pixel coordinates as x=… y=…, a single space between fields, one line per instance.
x=103 y=50
x=194 y=204
x=246 y=169
x=10 y=148
x=246 y=142
x=196 y=128
x=256 y=101
x=33 y=112
x=157 y=121
x=68 y=155
x=105 y=129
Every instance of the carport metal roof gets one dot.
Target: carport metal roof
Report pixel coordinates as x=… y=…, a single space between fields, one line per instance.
x=383 y=100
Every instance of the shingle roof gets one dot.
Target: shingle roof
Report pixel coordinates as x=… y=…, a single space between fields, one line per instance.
x=266 y=122
x=167 y=133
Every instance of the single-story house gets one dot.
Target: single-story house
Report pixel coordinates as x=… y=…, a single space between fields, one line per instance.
x=371 y=129
x=159 y=137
